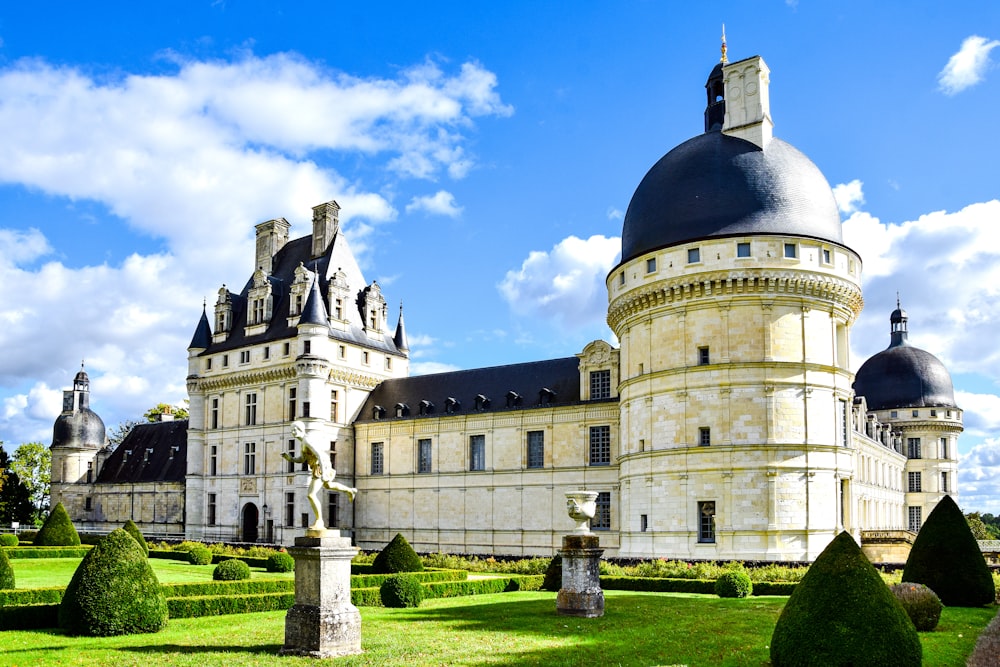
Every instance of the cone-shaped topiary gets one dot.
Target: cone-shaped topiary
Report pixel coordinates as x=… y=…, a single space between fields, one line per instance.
x=553 y=575
x=6 y=572
x=946 y=558
x=397 y=556
x=134 y=531
x=113 y=592
x=842 y=613
x=58 y=530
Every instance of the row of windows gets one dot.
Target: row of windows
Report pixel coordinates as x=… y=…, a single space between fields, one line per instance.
x=894 y=414
x=245 y=355
x=333 y=510
x=250 y=458
x=915 y=482
x=599 y=451
x=914 y=451
x=250 y=408
x=743 y=250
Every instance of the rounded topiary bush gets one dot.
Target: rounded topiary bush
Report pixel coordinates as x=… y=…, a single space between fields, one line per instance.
x=946 y=558
x=8 y=540
x=6 y=572
x=280 y=562
x=401 y=590
x=200 y=555
x=114 y=591
x=397 y=556
x=842 y=613
x=734 y=584
x=134 y=531
x=553 y=575
x=58 y=530
x=922 y=605
x=232 y=569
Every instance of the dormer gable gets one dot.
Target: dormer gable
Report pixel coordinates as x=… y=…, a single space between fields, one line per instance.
x=223 y=315
x=373 y=309
x=298 y=292
x=338 y=293
x=260 y=303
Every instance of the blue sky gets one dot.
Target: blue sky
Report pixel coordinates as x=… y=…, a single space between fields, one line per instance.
x=483 y=155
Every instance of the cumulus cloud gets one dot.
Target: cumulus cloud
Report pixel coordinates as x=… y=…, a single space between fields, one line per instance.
x=431 y=367
x=565 y=284
x=967 y=67
x=440 y=203
x=849 y=196
x=979 y=478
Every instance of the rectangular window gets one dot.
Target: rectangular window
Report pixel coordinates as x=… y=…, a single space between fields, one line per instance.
x=290 y=465
x=333 y=510
x=791 y=250
x=293 y=395
x=338 y=309
x=944 y=448
x=342 y=351
x=305 y=408
x=893 y=414
x=364 y=358
x=333 y=454
x=289 y=509
x=826 y=256
x=304 y=518
x=694 y=255
x=477 y=452
x=913 y=448
x=704 y=436
x=213 y=460
x=842 y=424
x=916 y=413
x=643 y=523
x=944 y=483
x=267 y=353
x=306 y=347
x=914 y=485
x=88 y=504
x=621 y=278
x=388 y=363
x=742 y=249
x=225 y=360
x=210 y=517
x=706 y=521
x=377 y=461
x=651 y=265
x=536 y=449
x=600 y=384
x=208 y=364
x=424 y=455
x=600 y=445
x=214 y=414
x=334 y=405
x=933 y=413
x=250 y=458
x=602 y=517
x=914 y=516
x=703 y=358
x=244 y=356
x=90 y=472
x=250 y=409
x=286 y=349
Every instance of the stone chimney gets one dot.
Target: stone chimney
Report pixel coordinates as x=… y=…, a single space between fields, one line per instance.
x=271 y=237
x=748 y=103
x=326 y=224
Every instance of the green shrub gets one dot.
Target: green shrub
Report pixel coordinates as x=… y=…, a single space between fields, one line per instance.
x=734 y=584
x=200 y=555
x=8 y=540
x=58 y=530
x=922 y=605
x=114 y=591
x=946 y=558
x=6 y=572
x=280 y=562
x=842 y=613
x=134 y=531
x=397 y=556
x=553 y=575
x=231 y=570
x=401 y=590
x=215 y=605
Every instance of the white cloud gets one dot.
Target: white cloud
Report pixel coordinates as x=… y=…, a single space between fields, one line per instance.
x=565 y=284
x=430 y=367
x=440 y=203
x=849 y=196
x=979 y=478
x=615 y=213
x=967 y=67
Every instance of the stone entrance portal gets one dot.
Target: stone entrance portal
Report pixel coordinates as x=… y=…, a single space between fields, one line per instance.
x=248 y=524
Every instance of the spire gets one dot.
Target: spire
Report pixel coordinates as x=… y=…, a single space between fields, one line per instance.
x=400 y=337
x=897 y=321
x=202 y=338
x=725 y=58
x=314 y=312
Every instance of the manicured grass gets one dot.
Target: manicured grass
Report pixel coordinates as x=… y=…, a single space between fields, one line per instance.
x=502 y=629
x=43 y=572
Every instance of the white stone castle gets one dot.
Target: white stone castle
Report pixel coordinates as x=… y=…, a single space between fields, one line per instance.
x=727 y=425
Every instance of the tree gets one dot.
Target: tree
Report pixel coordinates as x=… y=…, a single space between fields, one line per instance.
x=32 y=463
x=153 y=414
x=979 y=529
x=15 y=498
x=118 y=433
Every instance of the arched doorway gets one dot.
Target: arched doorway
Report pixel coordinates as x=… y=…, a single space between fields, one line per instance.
x=249 y=523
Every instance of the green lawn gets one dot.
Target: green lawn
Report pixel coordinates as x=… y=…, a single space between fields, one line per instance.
x=43 y=572
x=502 y=629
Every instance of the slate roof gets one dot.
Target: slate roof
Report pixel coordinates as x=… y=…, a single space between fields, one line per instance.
x=428 y=395
x=166 y=461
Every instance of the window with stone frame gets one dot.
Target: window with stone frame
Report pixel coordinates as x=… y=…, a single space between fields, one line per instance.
x=333 y=509
x=703 y=356
x=213 y=460
x=706 y=521
x=913 y=448
x=600 y=445
x=293 y=397
x=914 y=482
x=477 y=452
x=424 y=455
x=250 y=409
x=250 y=458
x=210 y=515
x=600 y=384
x=944 y=448
x=944 y=483
x=536 y=449
x=289 y=509
x=602 y=514
x=290 y=465
x=704 y=436
x=334 y=405
x=914 y=517
x=377 y=461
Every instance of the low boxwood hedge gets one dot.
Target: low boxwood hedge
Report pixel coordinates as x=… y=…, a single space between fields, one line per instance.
x=29 y=616
x=375 y=580
x=707 y=586
x=46 y=552
x=26 y=596
x=216 y=605
x=245 y=587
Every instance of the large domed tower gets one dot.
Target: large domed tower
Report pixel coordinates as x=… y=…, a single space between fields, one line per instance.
x=78 y=436
x=733 y=304
x=911 y=390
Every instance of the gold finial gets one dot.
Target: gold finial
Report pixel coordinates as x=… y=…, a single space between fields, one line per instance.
x=724 y=58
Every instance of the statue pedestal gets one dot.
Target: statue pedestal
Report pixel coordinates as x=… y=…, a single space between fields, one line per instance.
x=581 y=593
x=323 y=623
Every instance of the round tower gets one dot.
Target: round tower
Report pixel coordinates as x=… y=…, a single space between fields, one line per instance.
x=77 y=436
x=733 y=304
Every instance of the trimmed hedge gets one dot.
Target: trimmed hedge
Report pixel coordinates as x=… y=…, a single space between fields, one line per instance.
x=362 y=568
x=735 y=584
x=199 y=556
x=134 y=531
x=922 y=605
x=46 y=552
x=706 y=586
x=553 y=575
x=401 y=591
x=231 y=569
x=7 y=580
x=58 y=530
x=397 y=556
x=26 y=596
x=9 y=540
x=217 y=588
x=29 y=617
x=375 y=580
x=280 y=562
x=215 y=605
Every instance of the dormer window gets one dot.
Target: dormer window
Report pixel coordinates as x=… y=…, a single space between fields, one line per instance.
x=146 y=455
x=513 y=399
x=426 y=407
x=451 y=405
x=259 y=297
x=298 y=290
x=482 y=403
x=546 y=396
x=378 y=412
x=402 y=410
x=373 y=306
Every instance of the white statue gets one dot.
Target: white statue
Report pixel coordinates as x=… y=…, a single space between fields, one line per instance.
x=581 y=507
x=322 y=474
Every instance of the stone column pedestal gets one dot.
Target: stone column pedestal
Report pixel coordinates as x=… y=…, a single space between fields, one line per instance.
x=581 y=593
x=323 y=623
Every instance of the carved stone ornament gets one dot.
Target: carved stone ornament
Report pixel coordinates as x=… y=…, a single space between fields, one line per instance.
x=581 y=507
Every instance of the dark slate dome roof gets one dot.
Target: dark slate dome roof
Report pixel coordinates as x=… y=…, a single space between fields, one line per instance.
x=718 y=185
x=82 y=428
x=903 y=376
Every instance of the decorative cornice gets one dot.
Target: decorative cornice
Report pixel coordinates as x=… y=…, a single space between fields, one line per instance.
x=249 y=378
x=354 y=378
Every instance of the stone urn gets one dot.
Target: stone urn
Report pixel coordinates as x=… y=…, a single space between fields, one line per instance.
x=581 y=507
